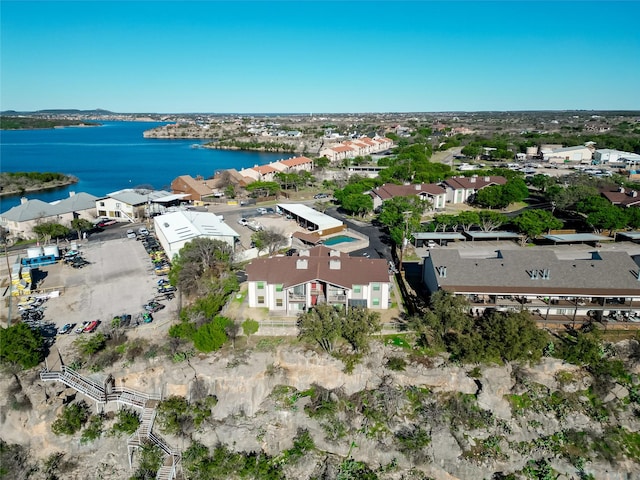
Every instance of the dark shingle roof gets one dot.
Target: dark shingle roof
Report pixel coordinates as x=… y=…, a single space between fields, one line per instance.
x=601 y=274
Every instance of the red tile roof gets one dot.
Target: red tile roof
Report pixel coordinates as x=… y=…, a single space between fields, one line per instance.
x=296 y=161
x=264 y=169
x=342 y=148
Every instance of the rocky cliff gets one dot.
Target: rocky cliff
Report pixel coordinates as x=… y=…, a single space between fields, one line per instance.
x=442 y=420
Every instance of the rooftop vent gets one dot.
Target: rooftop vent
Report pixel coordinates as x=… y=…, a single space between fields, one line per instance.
x=334 y=253
x=487 y=179
x=442 y=271
x=304 y=253
x=302 y=264
x=334 y=264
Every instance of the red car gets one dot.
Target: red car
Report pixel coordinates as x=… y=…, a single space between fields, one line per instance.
x=91 y=327
x=105 y=223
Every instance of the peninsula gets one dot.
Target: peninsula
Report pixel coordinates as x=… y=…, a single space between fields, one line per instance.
x=19 y=183
x=32 y=123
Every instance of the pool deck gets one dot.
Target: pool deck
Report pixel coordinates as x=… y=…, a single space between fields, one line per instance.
x=360 y=242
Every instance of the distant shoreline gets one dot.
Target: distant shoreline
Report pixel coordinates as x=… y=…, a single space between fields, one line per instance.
x=17 y=193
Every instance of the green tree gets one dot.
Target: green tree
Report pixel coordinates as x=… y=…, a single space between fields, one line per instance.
x=71 y=419
x=212 y=335
x=127 y=421
x=610 y=218
x=402 y=215
x=263 y=189
x=81 y=225
x=510 y=336
x=269 y=239
x=250 y=327
x=200 y=260
x=468 y=219
x=358 y=324
x=89 y=345
x=490 y=220
x=19 y=345
x=48 y=230
x=321 y=324
x=321 y=163
x=534 y=222
x=358 y=203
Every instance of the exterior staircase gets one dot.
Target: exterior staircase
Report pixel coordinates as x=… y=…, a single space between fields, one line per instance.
x=108 y=392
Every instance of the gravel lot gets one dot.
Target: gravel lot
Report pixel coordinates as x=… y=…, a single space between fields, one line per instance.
x=119 y=280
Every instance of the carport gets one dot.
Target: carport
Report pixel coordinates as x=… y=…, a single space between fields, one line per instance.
x=311 y=219
x=441 y=237
x=497 y=235
x=588 y=238
x=631 y=236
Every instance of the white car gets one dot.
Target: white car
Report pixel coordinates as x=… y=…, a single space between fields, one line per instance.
x=131 y=234
x=261 y=210
x=243 y=221
x=143 y=231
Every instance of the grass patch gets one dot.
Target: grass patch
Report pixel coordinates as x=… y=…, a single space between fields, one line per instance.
x=397 y=341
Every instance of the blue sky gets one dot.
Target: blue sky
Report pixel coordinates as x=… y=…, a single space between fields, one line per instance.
x=303 y=56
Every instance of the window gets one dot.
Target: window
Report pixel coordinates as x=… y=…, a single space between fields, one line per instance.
x=260 y=285
x=357 y=288
x=261 y=299
x=376 y=301
x=376 y=287
x=117 y=205
x=278 y=302
x=278 y=287
x=102 y=204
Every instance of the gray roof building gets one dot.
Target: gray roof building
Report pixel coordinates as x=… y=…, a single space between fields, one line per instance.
x=533 y=272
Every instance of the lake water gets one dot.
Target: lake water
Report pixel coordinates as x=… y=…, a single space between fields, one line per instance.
x=112 y=157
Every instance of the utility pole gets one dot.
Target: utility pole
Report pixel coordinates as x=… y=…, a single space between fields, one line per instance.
x=405 y=215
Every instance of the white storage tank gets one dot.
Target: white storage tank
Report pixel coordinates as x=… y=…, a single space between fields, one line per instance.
x=34 y=252
x=52 y=250
x=532 y=151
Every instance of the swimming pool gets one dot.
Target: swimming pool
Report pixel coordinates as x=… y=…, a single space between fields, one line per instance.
x=339 y=239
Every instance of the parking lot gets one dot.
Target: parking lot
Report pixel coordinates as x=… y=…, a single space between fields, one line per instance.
x=118 y=280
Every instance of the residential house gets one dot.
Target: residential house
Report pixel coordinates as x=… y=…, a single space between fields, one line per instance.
x=21 y=219
x=623 y=197
x=297 y=164
x=291 y=285
x=132 y=205
x=263 y=173
x=590 y=283
x=175 y=229
x=194 y=188
x=460 y=189
x=431 y=192
x=338 y=153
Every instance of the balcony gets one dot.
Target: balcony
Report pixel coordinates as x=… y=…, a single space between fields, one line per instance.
x=297 y=297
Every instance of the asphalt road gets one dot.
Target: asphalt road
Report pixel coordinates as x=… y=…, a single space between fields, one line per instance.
x=377 y=248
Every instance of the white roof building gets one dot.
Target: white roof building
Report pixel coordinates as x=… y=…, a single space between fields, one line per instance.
x=312 y=219
x=176 y=229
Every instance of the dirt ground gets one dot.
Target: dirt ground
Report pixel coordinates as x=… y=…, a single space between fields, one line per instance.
x=119 y=280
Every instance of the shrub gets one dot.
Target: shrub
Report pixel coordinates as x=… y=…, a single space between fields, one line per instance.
x=20 y=345
x=128 y=422
x=71 y=419
x=396 y=363
x=93 y=430
x=211 y=336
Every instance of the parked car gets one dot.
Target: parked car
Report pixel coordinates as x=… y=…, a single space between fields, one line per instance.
x=66 y=328
x=318 y=196
x=261 y=210
x=166 y=289
x=131 y=234
x=105 y=223
x=243 y=221
x=81 y=328
x=153 y=306
x=143 y=231
x=91 y=327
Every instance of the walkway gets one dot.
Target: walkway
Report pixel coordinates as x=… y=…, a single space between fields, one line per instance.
x=103 y=394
